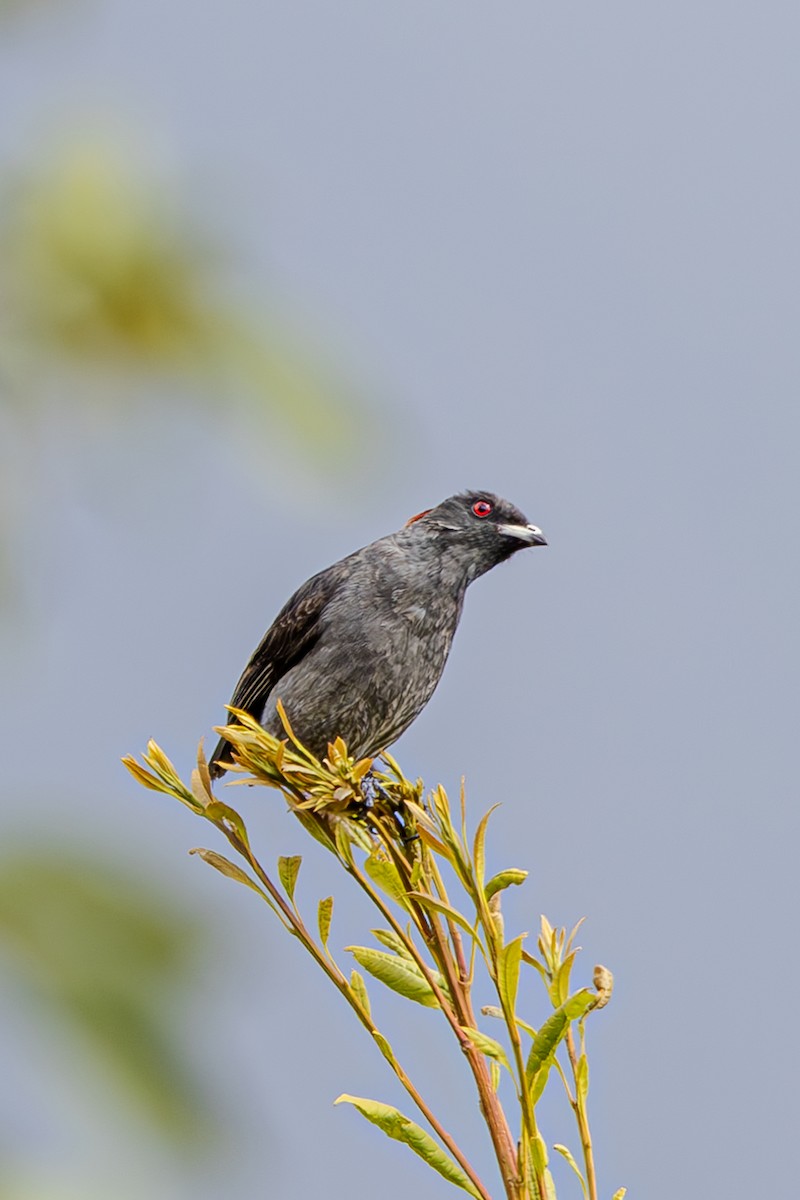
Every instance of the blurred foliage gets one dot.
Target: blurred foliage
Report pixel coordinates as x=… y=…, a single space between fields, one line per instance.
x=113 y=299
x=108 y=957
x=104 y=274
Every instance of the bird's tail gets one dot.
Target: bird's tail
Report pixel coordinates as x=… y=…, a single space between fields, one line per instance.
x=216 y=764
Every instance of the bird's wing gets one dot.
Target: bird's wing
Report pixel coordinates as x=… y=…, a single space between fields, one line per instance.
x=291 y=635
x=289 y=638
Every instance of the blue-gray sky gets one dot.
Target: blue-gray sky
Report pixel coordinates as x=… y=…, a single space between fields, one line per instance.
x=558 y=245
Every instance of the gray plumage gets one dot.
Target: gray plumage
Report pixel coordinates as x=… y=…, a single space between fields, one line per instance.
x=359 y=648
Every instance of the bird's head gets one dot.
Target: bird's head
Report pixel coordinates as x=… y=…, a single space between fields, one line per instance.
x=479 y=529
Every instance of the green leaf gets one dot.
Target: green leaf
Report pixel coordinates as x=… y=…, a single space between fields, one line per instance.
x=508 y=967
x=446 y=910
x=223 y=813
x=540 y=1082
x=313 y=825
x=554 y=1030
x=536 y=1165
x=523 y=1025
x=511 y=877
x=226 y=867
x=385 y=875
x=537 y=966
x=399 y=974
x=360 y=989
x=620 y=1194
x=441 y=807
x=487 y=1046
x=288 y=868
x=559 y=988
x=479 y=847
x=550 y=1187
x=538 y=1151
x=392 y=941
x=343 y=846
x=565 y=1153
x=384 y=1047
x=454 y=850
x=402 y=1129
x=324 y=914
x=582 y=1079
x=359 y=836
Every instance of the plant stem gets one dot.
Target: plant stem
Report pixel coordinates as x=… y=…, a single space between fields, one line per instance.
x=499 y=1132
x=579 y=1108
x=342 y=985
x=459 y=982
x=491 y=1107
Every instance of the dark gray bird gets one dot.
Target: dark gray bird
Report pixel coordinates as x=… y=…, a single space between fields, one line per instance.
x=359 y=648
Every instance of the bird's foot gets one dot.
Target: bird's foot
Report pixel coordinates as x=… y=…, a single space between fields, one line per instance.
x=377 y=798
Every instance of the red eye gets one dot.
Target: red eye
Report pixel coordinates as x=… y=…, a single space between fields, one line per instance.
x=481 y=508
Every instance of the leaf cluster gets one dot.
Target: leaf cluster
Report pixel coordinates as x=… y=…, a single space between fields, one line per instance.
x=442 y=928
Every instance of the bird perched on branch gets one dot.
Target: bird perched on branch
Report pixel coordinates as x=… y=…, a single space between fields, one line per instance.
x=360 y=647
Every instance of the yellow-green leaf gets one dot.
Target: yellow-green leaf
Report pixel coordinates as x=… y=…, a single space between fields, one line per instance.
x=508 y=967
x=540 y=1081
x=429 y=839
x=565 y=1153
x=399 y=974
x=392 y=941
x=360 y=990
x=620 y=1194
x=384 y=1047
x=511 y=877
x=384 y=874
x=287 y=727
x=487 y=1045
x=582 y=1079
x=156 y=783
x=554 y=1030
x=446 y=910
x=288 y=867
x=314 y=826
x=402 y=1129
x=538 y=1151
x=145 y=778
x=324 y=913
x=559 y=988
x=479 y=847
x=534 y=962
x=226 y=867
x=343 y=847
x=217 y=810
x=537 y=1193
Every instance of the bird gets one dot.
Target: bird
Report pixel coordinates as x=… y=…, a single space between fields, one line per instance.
x=359 y=648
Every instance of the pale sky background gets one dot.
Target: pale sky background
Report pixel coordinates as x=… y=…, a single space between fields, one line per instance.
x=555 y=246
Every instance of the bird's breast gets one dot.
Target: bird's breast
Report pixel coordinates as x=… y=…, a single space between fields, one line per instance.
x=414 y=614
